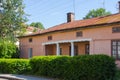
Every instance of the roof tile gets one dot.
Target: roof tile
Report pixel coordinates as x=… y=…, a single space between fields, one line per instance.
x=82 y=23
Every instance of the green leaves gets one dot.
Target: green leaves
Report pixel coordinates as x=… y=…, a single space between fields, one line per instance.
x=14 y=66
x=7 y=49
x=11 y=19
x=37 y=25
x=96 y=13
x=85 y=67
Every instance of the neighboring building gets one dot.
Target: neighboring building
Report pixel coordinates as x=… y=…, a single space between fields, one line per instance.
x=31 y=30
x=100 y=35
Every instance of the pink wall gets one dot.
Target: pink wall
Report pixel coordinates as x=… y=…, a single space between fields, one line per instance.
x=100 y=43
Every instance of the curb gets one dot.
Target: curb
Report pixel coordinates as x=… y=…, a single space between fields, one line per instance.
x=10 y=77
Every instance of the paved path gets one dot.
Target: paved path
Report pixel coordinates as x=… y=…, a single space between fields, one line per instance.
x=21 y=77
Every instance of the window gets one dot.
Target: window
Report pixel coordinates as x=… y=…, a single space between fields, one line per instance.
x=30 y=39
x=60 y=51
x=49 y=37
x=30 y=51
x=115 y=29
x=79 y=34
x=116 y=49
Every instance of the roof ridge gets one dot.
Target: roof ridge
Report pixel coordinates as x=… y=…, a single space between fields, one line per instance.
x=112 y=18
x=83 y=20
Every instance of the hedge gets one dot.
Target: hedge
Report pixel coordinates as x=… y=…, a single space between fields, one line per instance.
x=93 y=67
x=85 y=67
x=40 y=64
x=14 y=66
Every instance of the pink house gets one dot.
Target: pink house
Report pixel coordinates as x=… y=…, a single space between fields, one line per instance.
x=100 y=35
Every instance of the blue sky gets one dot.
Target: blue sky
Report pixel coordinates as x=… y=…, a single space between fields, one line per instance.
x=53 y=12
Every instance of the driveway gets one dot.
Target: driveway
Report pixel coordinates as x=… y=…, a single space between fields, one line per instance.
x=21 y=77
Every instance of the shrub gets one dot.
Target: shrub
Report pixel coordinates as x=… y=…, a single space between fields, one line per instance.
x=40 y=64
x=58 y=66
x=85 y=67
x=14 y=66
x=92 y=67
x=8 y=49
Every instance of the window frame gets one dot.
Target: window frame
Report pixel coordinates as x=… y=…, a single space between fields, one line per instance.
x=49 y=37
x=79 y=34
x=30 y=40
x=117 y=54
x=116 y=29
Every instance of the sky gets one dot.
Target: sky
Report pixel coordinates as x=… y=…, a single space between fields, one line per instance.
x=53 y=12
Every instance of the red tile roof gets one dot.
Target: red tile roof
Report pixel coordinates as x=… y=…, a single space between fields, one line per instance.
x=83 y=23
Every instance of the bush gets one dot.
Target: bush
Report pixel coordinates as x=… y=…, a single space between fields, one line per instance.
x=85 y=67
x=92 y=67
x=58 y=66
x=14 y=66
x=8 y=49
x=40 y=64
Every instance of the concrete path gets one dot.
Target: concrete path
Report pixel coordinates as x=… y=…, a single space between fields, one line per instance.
x=21 y=77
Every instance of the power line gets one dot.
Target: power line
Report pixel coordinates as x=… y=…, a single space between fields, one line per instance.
x=53 y=8
x=59 y=7
x=44 y=9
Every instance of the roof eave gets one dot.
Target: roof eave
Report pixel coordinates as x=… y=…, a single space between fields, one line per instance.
x=83 y=27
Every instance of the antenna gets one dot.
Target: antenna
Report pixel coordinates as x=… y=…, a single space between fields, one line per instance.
x=119 y=6
x=74 y=7
x=104 y=4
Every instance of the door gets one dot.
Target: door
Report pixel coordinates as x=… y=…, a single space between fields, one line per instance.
x=75 y=50
x=87 y=48
x=30 y=51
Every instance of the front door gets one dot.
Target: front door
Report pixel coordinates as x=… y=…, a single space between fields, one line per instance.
x=87 y=49
x=75 y=50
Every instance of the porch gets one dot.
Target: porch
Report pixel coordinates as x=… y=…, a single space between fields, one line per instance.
x=70 y=47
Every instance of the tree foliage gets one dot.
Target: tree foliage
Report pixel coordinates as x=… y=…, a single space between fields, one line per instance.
x=37 y=25
x=96 y=13
x=8 y=49
x=12 y=18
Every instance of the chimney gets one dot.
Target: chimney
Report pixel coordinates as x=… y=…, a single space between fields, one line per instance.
x=119 y=6
x=70 y=17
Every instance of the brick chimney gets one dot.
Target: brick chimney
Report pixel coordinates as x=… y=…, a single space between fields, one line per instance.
x=70 y=17
x=119 y=6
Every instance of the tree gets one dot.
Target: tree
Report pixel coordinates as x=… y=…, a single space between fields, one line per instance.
x=12 y=19
x=96 y=13
x=37 y=25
